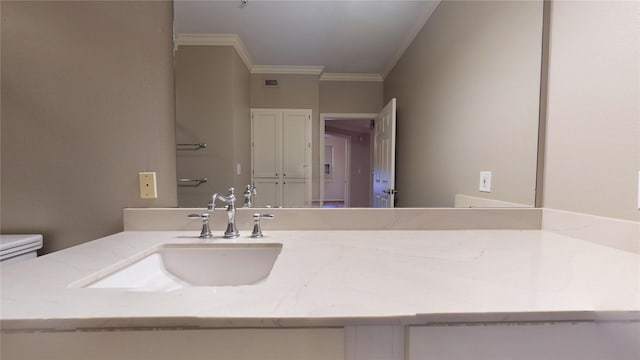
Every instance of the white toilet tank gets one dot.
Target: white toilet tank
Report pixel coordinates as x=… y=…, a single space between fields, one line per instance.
x=17 y=248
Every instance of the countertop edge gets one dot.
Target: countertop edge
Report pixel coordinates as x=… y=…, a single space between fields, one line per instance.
x=198 y=323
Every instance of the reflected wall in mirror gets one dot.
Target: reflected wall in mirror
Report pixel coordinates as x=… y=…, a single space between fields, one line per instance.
x=465 y=74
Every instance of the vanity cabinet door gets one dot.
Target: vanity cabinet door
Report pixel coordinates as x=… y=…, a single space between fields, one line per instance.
x=528 y=341
x=235 y=344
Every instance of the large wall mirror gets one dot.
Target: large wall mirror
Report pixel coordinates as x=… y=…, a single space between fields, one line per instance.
x=420 y=103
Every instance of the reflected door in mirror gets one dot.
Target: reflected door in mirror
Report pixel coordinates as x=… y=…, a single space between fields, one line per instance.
x=384 y=157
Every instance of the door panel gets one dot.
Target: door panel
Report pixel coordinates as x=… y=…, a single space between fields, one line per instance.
x=267 y=192
x=266 y=143
x=549 y=341
x=295 y=143
x=167 y=344
x=294 y=193
x=384 y=157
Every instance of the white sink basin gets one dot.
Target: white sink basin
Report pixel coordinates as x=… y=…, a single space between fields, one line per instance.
x=175 y=266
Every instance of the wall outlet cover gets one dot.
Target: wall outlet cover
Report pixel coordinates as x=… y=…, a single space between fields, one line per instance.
x=148 y=189
x=485 y=181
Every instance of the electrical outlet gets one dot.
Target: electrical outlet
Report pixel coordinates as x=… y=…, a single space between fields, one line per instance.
x=485 y=181
x=148 y=188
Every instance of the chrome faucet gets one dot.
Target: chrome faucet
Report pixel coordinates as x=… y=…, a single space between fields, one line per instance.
x=249 y=193
x=232 y=231
x=206 y=230
x=257 y=230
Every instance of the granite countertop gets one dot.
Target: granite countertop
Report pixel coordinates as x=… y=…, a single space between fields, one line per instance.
x=338 y=278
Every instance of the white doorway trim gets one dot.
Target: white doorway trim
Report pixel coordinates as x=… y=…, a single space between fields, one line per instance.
x=334 y=116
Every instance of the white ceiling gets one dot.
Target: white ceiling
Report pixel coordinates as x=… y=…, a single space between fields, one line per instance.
x=361 y=36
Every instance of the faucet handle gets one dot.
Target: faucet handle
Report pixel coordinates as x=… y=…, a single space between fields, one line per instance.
x=197 y=216
x=205 y=233
x=257 y=231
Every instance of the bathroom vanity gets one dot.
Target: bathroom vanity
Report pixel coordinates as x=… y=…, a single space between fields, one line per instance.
x=333 y=294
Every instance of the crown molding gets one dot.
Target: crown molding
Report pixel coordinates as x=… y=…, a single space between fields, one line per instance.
x=350 y=77
x=238 y=45
x=284 y=69
x=218 y=40
x=412 y=35
x=234 y=40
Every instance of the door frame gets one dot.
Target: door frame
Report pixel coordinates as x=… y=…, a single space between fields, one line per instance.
x=328 y=117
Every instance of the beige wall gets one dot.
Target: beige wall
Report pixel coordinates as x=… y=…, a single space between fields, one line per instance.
x=212 y=107
x=468 y=98
x=241 y=123
x=204 y=109
x=593 y=118
x=87 y=103
x=350 y=96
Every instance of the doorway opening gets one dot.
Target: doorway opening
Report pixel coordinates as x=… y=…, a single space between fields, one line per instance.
x=337 y=165
x=346 y=160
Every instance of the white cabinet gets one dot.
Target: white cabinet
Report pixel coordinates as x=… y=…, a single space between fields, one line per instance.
x=294 y=192
x=268 y=191
x=528 y=341
x=275 y=192
x=281 y=157
x=170 y=344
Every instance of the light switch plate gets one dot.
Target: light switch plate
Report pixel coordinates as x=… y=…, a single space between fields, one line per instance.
x=148 y=188
x=639 y=190
x=485 y=181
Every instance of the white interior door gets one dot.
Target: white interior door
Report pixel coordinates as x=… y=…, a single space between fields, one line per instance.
x=384 y=157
